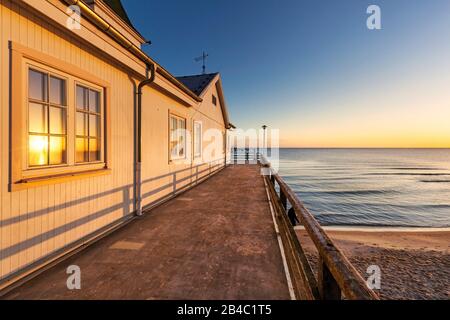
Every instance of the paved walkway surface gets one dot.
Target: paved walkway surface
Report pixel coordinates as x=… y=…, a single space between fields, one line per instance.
x=216 y=241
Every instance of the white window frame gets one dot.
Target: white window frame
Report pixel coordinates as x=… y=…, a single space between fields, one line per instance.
x=71 y=83
x=50 y=72
x=24 y=176
x=101 y=139
x=171 y=140
x=200 y=152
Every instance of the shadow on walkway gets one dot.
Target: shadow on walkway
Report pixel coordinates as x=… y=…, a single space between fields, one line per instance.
x=216 y=241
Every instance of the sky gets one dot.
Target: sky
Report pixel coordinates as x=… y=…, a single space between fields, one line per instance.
x=312 y=69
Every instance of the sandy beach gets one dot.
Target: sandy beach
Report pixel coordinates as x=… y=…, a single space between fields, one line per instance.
x=414 y=264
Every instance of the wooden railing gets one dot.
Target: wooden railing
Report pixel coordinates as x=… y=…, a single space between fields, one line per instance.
x=187 y=177
x=245 y=156
x=337 y=278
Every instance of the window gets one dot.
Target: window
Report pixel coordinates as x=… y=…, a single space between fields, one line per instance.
x=47 y=121
x=214 y=100
x=197 y=139
x=47 y=118
x=56 y=105
x=88 y=125
x=177 y=137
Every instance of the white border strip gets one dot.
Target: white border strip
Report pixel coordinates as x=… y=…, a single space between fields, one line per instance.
x=280 y=244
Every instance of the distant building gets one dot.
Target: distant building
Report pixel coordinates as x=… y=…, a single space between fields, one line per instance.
x=69 y=128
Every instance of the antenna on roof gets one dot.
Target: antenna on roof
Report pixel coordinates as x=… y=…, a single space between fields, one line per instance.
x=202 y=58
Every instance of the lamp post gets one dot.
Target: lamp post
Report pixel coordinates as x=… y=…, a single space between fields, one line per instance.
x=264 y=127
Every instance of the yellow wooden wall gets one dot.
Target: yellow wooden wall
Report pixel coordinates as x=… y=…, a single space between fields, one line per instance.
x=37 y=221
x=155 y=135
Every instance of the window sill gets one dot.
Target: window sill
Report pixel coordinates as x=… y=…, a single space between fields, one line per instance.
x=27 y=183
x=176 y=160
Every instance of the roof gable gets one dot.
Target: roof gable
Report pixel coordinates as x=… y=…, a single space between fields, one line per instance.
x=200 y=83
x=117 y=7
x=197 y=83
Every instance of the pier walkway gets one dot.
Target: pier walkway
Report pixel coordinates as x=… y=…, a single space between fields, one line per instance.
x=215 y=241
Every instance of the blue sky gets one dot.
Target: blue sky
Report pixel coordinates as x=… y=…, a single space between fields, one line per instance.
x=312 y=68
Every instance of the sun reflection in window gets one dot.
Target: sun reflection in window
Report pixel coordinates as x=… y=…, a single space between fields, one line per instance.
x=38 y=150
x=47 y=116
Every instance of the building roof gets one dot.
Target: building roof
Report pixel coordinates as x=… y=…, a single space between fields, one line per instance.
x=117 y=7
x=194 y=85
x=197 y=83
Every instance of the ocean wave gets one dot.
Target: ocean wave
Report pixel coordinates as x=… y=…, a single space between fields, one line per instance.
x=415 y=168
x=402 y=188
x=350 y=192
x=364 y=217
x=377 y=208
x=406 y=174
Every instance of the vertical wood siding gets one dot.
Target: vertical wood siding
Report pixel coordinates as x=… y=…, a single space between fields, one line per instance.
x=37 y=221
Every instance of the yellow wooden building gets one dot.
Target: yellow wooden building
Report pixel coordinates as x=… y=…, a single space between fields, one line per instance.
x=74 y=160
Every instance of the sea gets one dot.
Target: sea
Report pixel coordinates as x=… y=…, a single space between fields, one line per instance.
x=371 y=187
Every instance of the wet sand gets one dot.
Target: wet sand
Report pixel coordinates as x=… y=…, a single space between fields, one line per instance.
x=414 y=264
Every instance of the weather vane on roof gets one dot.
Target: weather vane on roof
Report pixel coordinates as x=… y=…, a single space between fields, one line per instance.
x=202 y=58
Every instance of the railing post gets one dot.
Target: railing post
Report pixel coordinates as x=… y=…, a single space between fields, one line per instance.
x=328 y=287
x=283 y=199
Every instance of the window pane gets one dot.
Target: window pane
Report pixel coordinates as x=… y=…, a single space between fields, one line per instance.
x=37 y=85
x=94 y=150
x=37 y=150
x=181 y=150
x=94 y=101
x=197 y=139
x=57 y=120
x=173 y=124
x=94 y=125
x=57 y=91
x=197 y=131
x=173 y=137
x=37 y=118
x=81 y=152
x=173 y=132
x=173 y=149
x=198 y=148
x=82 y=96
x=181 y=143
x=181 y=124
x=57 y=150
x=82 y=124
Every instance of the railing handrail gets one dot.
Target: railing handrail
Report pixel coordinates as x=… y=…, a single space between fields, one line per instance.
x=348 y=278
x=350 y=282
x=245 y=155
